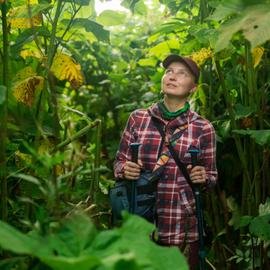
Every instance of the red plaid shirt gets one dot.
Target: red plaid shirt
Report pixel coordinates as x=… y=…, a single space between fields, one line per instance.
x=176 y=219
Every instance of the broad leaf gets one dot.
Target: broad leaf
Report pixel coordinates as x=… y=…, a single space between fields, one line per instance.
x=91 y=26
x=242 y=111
x=260 y=226
x=261 y=137
x=77 y=245
x=110 y=17
x=146 y=252
x=253 y=21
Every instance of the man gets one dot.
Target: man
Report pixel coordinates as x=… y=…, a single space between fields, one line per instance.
x=176 y=218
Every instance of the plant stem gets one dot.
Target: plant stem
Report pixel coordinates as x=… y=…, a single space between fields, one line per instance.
x=97 y=156
x=77 y=135
x=3 y=115
x=246 y=180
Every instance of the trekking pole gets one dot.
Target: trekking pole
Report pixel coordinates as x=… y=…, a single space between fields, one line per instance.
x=134 y=158
x=199 y=212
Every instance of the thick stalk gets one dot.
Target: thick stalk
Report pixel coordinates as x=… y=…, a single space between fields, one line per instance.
x=246 y=200
x=97 y=155
x=77 y=135
x=3 y=115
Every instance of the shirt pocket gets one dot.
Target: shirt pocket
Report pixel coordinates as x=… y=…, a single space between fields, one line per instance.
x=183 y=145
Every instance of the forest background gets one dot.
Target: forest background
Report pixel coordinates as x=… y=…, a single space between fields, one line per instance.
x=69 y=79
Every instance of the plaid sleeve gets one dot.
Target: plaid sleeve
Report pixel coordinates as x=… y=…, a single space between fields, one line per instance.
x=208 y=148
x=123 y=154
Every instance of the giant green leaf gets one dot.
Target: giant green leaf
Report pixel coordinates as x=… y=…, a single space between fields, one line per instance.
x=135 y=230
x=77 y=245
x=253 y=21
x=110 y=17
x=226 y=8
x=261 y=137
x=91 y=26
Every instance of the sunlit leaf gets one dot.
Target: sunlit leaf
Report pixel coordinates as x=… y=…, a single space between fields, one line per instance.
x=253 y=21
x=65 y=68
x=110 y=17
x=147 y=62
x=160 y=49
x=19 y=21
x=91 y=26
x=24 y=91
x=140 y=8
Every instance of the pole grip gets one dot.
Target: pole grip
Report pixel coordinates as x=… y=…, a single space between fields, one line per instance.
x=134 y=151
x=194 y=156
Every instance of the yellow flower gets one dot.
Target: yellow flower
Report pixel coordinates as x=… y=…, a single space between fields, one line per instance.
x=65 y=68
x=24 y=91
x=201 y=56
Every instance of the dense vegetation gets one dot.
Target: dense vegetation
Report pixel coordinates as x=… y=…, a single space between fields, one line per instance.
x=69 y=79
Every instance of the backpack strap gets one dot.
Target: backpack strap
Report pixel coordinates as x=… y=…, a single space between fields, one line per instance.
x=180 y=165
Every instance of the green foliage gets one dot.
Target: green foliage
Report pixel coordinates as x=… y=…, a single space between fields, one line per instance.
x=111 y=18
x=77 y=244
x=52 y=176
x=91 y=26
x=251 y=19
x=261 y=137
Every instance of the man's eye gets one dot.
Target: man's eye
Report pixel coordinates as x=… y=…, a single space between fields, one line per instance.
x=168 y=71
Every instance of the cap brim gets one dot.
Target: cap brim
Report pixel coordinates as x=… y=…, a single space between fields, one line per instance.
x=173 y=58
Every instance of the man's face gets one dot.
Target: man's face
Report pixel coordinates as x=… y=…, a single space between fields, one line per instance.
x=178 y=80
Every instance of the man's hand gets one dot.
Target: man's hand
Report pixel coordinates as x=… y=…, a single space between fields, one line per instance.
x=132 y=170
x=197 y=174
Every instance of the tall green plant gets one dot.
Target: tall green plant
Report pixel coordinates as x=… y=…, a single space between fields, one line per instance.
x=75 y=243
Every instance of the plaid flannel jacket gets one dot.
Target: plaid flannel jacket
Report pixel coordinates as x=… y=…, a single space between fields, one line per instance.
x=176 y=217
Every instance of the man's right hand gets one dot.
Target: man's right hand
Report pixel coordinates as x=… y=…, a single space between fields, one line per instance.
x=132 y=170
